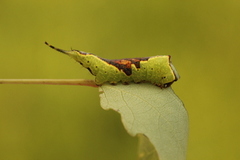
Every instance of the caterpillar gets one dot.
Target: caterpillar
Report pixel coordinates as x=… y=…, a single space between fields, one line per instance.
x=157 y=70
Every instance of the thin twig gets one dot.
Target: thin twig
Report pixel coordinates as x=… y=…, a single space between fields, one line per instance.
x=82 y=82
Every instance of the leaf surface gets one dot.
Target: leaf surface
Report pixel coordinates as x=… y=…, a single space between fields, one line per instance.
x=156 y=113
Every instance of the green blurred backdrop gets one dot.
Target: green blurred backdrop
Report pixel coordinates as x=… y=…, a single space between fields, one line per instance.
x=66 y=122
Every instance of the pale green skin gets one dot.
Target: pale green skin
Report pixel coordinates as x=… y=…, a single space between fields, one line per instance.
x=157 y=70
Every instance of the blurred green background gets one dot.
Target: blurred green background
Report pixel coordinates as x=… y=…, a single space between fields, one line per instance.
x=67 y=122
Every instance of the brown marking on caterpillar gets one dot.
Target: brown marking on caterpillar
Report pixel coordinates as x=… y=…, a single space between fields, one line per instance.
x=125 y=64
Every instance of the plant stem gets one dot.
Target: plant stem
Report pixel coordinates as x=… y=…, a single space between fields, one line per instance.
x=82 y=82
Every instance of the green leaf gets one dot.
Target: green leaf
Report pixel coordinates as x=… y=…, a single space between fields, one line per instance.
x=156 y=113
x=146 y=150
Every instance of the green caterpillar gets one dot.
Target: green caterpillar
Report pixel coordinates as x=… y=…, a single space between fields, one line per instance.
x=157 y=70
